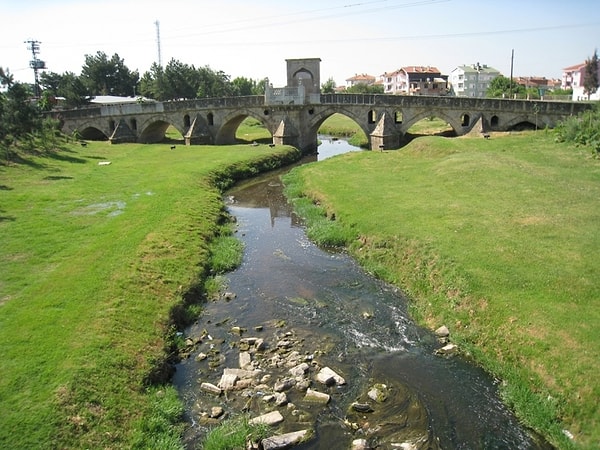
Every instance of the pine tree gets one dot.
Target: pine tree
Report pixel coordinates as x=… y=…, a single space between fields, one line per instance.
x=590 y=80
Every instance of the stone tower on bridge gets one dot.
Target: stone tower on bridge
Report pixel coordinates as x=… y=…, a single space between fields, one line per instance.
x=305 y=72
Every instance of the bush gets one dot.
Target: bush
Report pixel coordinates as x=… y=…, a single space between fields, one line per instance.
x=583 y=129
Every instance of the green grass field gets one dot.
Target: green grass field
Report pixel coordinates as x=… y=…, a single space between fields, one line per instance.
x=96 y=262
x=499 y=240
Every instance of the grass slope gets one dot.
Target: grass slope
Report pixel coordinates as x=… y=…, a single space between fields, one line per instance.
x=95 y=262
x=498 y=239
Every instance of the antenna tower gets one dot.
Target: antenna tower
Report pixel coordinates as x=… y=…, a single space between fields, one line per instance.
x=36 y=64
x=157 y=23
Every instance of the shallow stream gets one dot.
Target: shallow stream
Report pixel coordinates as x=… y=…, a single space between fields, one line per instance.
x=337 y=316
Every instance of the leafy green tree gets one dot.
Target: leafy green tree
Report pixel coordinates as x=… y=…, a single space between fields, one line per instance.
x=328 y=87
x=179 y=80
x=261 y=86
x=6 y=78
x=363 y=88
x=66 y=85
x=18 y=115
x=244 y=86
x=103 y=76
x=590 y=79
x=501 y=87
x=213 y=84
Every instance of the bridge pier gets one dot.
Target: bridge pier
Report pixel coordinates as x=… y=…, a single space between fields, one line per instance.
x=198 y=133
x=122 y=133
x=385 y=136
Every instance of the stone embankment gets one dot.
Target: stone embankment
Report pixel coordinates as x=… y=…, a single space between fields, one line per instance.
x=277 y=382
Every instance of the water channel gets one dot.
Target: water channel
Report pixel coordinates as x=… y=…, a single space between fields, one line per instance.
x=335 y=315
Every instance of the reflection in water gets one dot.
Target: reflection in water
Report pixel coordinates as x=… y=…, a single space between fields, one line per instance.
x=344 y=319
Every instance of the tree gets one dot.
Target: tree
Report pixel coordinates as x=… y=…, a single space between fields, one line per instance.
x=6 y=78
x=245 y=86
x=18 y=115
x=501 y=87
x=108 y=77
x=363 y=88
x=213 y=84
x=66 y=85
x=328 y=87
x=590 y=78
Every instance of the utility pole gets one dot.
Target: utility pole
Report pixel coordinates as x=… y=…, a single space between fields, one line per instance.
x=512 y=57
x=36 y=64
x=157 y=23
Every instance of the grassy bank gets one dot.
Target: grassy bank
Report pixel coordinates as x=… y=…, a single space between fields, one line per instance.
x=499 y=240
x=96 y=265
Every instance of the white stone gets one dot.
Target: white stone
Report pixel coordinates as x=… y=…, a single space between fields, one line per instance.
x=241 y=373
x=316 y=397
x=299 y=370
x=283 y=440
x=209 y=387
x=271 y=418
x=327 y=376
x=447 y=350
x=442 y=331
x=281 y=399
x=245 y=360
x=360 y=444
x=227 y=382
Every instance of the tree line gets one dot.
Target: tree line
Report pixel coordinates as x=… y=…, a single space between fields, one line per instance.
x=101 y=75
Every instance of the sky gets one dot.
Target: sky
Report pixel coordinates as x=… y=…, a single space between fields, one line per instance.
x=253 y=38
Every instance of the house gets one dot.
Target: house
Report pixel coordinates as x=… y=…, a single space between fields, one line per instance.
x=361 y=79
x=415 y=80
x=573 y=77
x=542 y=84
x=472 y=80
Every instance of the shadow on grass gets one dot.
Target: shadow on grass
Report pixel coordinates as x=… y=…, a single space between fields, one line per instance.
x=4 y=187
x=268 y=140
x=66 y=158
x=6 y=218
x=57 y=177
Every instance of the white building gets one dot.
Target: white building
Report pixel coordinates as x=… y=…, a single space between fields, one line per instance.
x=473 y=80
x=414 y=80
x=573 y=78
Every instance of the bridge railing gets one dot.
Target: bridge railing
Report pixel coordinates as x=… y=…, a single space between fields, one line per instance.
x=289 y=95
x=453 y=103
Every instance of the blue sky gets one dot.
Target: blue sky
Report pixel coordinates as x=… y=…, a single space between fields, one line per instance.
x=253 y=38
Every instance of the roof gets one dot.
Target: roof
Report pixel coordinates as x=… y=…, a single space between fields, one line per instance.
x=474 y=68
x=113 y=99
x=361 y=77
x=574 y=68
x=421 y=69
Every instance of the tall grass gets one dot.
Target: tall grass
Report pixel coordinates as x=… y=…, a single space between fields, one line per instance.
x=498 y=239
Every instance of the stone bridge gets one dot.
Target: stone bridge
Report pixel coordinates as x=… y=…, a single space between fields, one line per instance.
x=293 y=117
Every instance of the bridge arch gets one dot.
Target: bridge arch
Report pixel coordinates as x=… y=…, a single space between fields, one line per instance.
x=523 y=121
x=456 y=122
x=324 y=114
x=154 y=128
x=90 y=130
x=225 y=135
x=92 y=133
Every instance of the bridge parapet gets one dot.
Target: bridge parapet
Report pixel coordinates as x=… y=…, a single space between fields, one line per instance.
x=289 y=95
